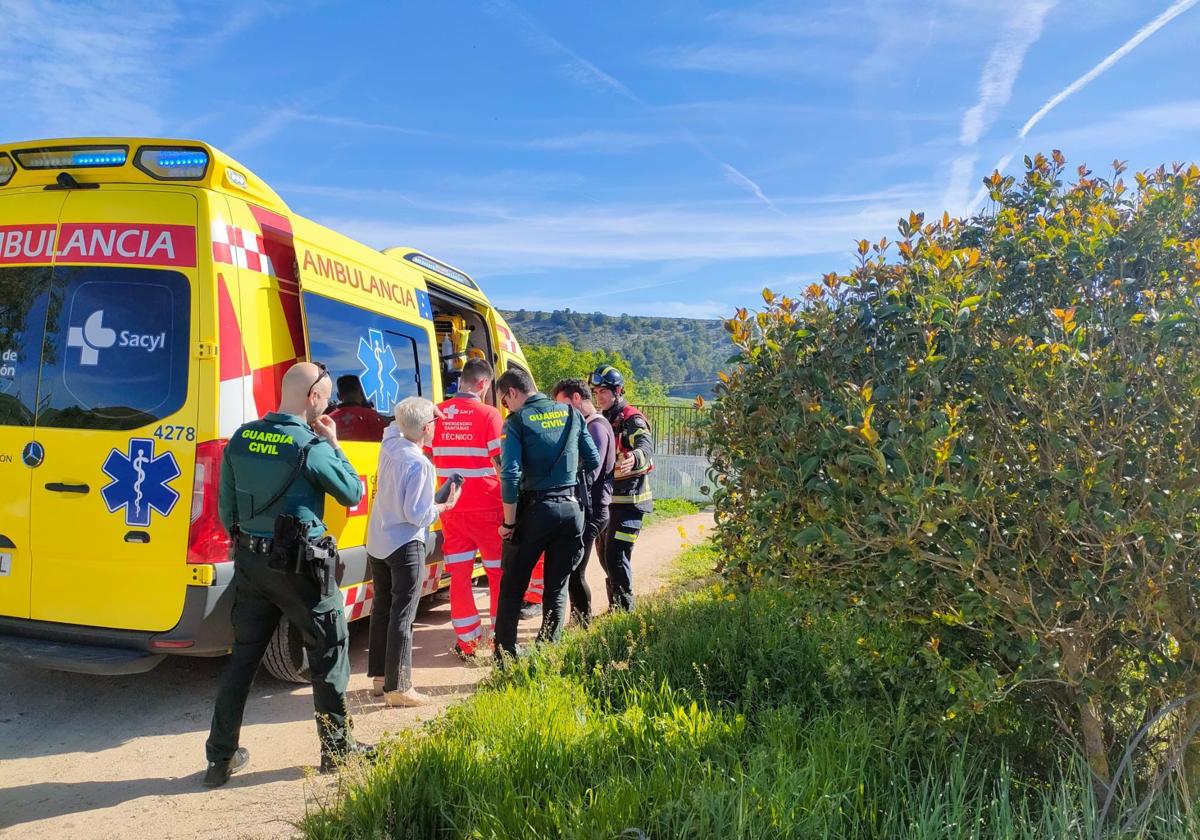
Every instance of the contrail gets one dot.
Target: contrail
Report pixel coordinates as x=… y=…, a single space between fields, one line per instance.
x=1124 y=50
x=744 y=181
x=585 y=71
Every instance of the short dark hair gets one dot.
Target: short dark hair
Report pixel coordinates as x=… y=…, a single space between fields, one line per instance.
x=515 y=378
x=350 y=390
x=572 y=388
x=475 y=370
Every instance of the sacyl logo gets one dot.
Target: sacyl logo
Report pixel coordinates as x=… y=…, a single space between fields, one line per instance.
x=93 y=337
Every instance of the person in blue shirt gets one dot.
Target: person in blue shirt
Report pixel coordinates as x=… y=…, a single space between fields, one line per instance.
x=545 y=447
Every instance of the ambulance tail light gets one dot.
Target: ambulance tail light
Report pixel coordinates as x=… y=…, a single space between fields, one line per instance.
x=208 y=541
x=172 y=163
x=7 y=168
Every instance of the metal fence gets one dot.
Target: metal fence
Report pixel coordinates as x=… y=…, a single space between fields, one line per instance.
x=680 y=463
x=676 y=429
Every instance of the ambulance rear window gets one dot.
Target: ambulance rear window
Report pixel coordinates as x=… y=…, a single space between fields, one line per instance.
x=23 y=294
x=116 y=347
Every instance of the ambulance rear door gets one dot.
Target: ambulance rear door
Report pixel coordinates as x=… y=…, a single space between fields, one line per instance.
x=117 y=412
x=28 y=222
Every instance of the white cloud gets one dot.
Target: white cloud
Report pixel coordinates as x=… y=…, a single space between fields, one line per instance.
x=598 y=141
x=543 y=237
x=706 y=309
x=961 y=170
x=1022 y=30
x=76 y=69
x=277 y=119
x=754 y=59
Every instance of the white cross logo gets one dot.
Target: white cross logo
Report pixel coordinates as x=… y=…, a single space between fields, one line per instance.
x=451 y=411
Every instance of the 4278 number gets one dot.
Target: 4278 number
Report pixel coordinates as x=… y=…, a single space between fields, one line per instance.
x=175 y=433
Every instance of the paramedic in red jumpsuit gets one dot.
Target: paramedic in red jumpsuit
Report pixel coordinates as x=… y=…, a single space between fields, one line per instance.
x=467 y=442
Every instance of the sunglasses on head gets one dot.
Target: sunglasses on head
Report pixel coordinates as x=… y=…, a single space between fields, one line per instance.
x=323 y=375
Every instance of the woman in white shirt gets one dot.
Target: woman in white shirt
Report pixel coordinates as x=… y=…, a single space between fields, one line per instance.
x=402 y=510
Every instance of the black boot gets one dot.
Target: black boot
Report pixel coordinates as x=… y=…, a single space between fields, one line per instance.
x=332 y=761
x=220 y=771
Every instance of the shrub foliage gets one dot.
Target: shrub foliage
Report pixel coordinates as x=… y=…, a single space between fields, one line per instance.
x=989 y=428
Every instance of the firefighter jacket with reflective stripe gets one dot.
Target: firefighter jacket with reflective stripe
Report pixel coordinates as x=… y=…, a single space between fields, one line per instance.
x=632 y=432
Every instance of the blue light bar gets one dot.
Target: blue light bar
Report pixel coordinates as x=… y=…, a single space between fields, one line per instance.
x=430 y=264
x=72 y=157
x=167 y=159
x=98 y=159
x=172 y=164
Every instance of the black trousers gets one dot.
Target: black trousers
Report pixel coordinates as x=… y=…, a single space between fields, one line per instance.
x=261 y=596
x=625 y=523
x=552 y=526
x=397 y=591
x=580 y=592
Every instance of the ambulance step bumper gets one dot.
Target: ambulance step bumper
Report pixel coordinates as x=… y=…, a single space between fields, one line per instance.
x=77 y=658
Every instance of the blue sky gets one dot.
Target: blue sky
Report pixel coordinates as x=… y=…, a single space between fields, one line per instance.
x=657 y=158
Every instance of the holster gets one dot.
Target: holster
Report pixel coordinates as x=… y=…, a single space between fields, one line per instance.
x=288 y=542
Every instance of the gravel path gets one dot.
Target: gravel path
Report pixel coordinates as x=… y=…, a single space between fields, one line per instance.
x=84 y=756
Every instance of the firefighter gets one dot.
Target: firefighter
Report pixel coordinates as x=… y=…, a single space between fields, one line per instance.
x=467 y=442
x=631 y=497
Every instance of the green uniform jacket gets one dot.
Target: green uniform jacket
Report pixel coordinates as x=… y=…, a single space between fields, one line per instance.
x=260 y=458
x=532 y=438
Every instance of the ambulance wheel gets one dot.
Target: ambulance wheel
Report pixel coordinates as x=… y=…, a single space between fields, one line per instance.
x=286 y=658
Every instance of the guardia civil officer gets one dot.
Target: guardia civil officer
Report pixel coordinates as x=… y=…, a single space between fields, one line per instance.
x=545 y=446
x=274 y=476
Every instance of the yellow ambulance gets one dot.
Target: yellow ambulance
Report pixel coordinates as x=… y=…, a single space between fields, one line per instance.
x=152 y=295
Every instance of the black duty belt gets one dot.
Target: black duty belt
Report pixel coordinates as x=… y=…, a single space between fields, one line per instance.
x=256 y=545
x=552 y=494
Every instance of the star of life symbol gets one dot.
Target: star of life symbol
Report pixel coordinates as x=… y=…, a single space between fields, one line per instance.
x=140 y=482
x=379 y=371
x=91 y=338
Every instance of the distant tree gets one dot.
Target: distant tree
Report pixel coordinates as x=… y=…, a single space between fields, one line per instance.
x=550 y=363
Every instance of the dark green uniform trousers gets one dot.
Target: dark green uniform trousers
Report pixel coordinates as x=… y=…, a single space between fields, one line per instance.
x=261 y=596
x=552 y=526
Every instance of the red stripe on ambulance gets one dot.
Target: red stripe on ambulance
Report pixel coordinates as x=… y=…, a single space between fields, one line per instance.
x=99 y=243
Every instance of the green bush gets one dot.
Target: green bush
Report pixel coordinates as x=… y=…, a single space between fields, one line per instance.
x=992 y=439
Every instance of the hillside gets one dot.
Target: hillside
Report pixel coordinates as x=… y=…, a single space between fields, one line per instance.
x=682 y=353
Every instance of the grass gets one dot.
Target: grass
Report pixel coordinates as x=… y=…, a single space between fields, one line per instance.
x=671 y=509
x=711 y=713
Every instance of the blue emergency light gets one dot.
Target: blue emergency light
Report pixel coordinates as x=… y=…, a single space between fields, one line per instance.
x=72 y=157
x=172 y=164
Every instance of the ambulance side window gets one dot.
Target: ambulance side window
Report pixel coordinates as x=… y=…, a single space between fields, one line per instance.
x=115 y=354
x=22 y=321
x=390 y=358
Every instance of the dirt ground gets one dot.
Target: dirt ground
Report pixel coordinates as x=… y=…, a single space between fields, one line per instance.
x=86 y=756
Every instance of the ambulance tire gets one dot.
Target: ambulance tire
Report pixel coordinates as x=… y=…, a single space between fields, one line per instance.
x=286 y=658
